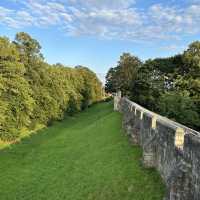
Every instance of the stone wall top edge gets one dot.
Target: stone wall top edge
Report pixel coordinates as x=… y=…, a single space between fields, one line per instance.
x=163 y=120
x=193 y=138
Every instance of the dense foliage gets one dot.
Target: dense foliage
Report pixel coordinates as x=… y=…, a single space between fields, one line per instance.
x=33 y=93
x=169 y=86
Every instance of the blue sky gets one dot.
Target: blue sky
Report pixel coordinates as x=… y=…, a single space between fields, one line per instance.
x=95 y=33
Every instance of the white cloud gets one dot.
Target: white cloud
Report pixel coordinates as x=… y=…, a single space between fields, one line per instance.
x=173 y=47
x=4 y=12
x=103 y=4
x=118 y=19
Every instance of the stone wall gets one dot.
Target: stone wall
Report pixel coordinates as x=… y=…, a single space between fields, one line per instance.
x=171 y=148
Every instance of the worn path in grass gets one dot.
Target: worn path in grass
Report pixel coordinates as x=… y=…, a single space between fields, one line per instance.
x=85 y=157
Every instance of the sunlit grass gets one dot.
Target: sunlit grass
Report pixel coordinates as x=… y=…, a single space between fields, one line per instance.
x=84 y=157
x=25 y=133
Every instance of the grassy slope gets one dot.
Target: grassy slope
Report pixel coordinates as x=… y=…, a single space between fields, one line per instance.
x=85 y=157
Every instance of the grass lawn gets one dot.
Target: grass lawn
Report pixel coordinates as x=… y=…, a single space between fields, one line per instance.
x=84 y=157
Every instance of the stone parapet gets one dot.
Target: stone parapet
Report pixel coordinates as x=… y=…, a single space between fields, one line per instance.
x=172 y=148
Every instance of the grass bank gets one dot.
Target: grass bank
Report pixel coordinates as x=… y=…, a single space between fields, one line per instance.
x=84 y=157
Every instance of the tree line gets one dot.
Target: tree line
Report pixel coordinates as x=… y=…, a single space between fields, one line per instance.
x=169 y=86
x=34 y=93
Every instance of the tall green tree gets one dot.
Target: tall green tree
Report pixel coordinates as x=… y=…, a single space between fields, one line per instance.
x=190 y=80
x=28 y=47
x=112 y=84
x=33 y=93
x=190 y=77
x=128 y=66
x=170 y=85
x=123 y=76
x=16 y=100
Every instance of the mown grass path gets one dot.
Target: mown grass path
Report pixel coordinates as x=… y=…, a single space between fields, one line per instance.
x=85 y=157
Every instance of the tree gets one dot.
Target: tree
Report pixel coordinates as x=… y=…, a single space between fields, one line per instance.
x=122 y=76
x=15 y=100
x=128 y=66
x=33 y=93
x=112 y=84
x=28 y=47
x=180 y=107
x=148 y=85
x=170 y=85
x=191 y=59
x=92 y=90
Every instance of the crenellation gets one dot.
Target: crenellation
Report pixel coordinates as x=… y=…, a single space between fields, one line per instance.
x=170 y=147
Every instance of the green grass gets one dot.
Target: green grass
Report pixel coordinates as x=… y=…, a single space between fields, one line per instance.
x=85 y=157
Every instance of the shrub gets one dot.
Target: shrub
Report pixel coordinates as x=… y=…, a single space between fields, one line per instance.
x=34 y=93
x=179 y=107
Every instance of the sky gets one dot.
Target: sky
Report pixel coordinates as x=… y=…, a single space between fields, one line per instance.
x=95 y=33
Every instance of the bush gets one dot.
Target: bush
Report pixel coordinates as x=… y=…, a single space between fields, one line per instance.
x=180 y=107
x=33 y=92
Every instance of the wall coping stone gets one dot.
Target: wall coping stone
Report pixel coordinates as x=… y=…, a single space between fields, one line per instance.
x=163 y=120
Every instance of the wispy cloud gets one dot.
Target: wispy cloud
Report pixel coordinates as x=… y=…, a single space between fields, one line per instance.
x=113 y=19
x=173 y=47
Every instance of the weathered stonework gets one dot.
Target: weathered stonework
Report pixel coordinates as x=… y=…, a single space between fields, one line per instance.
x=171 y=148
x=116 y=101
